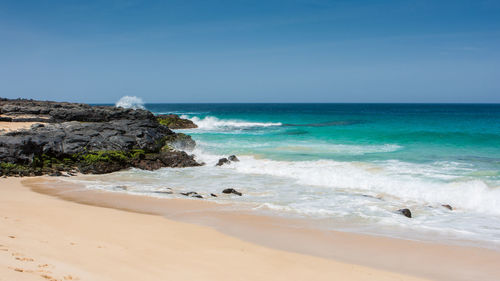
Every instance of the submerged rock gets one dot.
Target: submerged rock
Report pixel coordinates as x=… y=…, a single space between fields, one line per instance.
x=121 y=187
x=405 y=212
x=222 y=161
x=232 y=191
x=163 y=192
x=192 y=194
x=228 y=160
x=167 y=191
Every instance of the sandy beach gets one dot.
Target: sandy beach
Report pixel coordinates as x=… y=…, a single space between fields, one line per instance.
x=44 y=236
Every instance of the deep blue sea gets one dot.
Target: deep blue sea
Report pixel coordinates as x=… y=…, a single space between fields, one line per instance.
x=348 y=166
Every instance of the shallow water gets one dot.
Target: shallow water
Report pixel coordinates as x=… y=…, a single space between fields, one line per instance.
x=349 y=166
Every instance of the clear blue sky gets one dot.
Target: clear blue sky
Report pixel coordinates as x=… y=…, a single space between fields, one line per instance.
x=251 y=51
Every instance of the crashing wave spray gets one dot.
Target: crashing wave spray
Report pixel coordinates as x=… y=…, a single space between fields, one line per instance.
x=130 y=102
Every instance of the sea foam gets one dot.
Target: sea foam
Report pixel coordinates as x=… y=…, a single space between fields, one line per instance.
x=408 y=183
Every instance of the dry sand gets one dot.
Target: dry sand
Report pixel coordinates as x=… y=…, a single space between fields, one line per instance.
x=45 y=238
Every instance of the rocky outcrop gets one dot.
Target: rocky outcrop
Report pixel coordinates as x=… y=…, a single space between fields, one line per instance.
x=173 y=121
x=70 y=138
x=222 y=161
x=101 y=140
x=55 y=112
x=228 y=160
x=233 y=158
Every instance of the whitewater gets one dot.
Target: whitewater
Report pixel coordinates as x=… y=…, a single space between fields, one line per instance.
x=345 y=167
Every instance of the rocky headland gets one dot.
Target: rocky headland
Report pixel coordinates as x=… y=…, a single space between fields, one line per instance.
x=74 y=137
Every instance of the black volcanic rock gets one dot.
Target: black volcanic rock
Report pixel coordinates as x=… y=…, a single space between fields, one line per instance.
x=53 y=112
x=192 y=194
x=228 y=160
x=75 y=137
x=173 y=159
x=233 y=158
x=222 y=161
x=232 y=191
x=405 y=212
x=449 y=207
x=92 y=139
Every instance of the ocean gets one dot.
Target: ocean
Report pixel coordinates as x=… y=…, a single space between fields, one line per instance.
x=347 y=167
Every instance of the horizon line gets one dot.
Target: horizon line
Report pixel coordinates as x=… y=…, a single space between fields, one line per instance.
x=456 y=103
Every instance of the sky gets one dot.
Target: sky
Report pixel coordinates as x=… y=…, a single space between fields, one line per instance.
x=251 y=51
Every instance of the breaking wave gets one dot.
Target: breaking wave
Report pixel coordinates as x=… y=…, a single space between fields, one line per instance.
x=214 y=123
x=130 y=102
x=464 y=193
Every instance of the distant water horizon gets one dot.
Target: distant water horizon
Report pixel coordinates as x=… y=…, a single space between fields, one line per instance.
x=146 y=104
x=349 y=165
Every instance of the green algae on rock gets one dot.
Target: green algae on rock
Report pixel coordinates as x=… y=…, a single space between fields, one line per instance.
x=173 y=121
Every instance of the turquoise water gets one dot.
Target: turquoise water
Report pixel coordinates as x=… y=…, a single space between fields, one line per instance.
x=350 y=166
x=415 y=133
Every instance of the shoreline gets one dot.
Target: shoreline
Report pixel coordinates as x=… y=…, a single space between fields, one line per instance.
x=424 y=259
x=45 y=237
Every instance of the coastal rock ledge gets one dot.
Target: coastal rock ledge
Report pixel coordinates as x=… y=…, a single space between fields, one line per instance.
x=76 y=137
